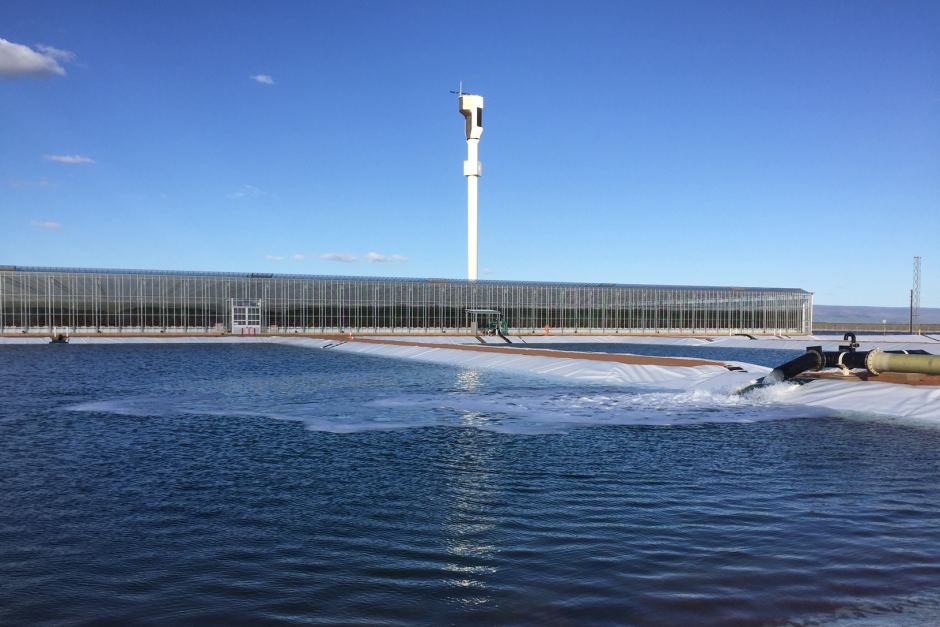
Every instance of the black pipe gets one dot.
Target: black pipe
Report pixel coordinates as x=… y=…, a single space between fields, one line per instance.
x=848 y=358
x=812 y=359
x=816 y=359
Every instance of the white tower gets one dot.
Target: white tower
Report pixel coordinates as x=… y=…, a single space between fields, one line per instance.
x=471 y=106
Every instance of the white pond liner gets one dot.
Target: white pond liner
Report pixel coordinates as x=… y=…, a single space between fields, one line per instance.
x=791 y=342
x=896 y=400
x=842 y=397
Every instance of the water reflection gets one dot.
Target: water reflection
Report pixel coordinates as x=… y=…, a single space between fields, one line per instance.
x=468 y=522
x=469 y=380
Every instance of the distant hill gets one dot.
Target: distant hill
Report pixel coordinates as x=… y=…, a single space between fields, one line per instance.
x=894 y=315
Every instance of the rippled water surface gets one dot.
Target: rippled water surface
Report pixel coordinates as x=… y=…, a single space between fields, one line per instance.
x=237 y=484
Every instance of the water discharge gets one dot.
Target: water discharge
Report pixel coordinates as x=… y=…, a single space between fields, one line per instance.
x=517 y=405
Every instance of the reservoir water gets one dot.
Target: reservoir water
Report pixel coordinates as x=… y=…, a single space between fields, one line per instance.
x=246 y=484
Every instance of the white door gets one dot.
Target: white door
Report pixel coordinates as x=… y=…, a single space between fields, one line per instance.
x=246 y=317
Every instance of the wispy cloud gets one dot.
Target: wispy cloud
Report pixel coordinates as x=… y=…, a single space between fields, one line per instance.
x=65 y=56
x=371 y=257
x=41 y=182
x=380 y=258
x=247 y=191
x=341 y=257
x=297 y=257
x=46 y=225
x=264 y=79
x=18 y=60
x=69 y=159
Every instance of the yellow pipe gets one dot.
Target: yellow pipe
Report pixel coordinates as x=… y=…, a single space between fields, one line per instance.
x=878 y=361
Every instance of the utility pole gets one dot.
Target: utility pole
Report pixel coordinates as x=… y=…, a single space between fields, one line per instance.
x=915 y=297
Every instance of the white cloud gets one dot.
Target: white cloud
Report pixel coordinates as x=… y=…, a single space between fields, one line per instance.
x=19 y=60
x=380 y=258
x=341 y=257
x=247 y=191
x=274 y=257
x=70 y=159
x=297 y=257
x=264 y=79
x=46 y=225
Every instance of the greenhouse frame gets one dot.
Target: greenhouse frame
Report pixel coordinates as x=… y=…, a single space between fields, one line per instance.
x=135 y=302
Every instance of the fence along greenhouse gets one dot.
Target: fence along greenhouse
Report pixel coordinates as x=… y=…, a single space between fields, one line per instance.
x=42 y=300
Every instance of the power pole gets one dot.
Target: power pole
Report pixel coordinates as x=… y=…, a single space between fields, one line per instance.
x=915 y=297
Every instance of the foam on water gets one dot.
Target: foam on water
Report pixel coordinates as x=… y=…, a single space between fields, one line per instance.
x=517 y=409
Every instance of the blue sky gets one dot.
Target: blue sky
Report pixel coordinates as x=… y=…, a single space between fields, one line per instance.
x=780 y=144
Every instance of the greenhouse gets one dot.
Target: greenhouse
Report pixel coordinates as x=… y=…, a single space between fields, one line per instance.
x=45 y=300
